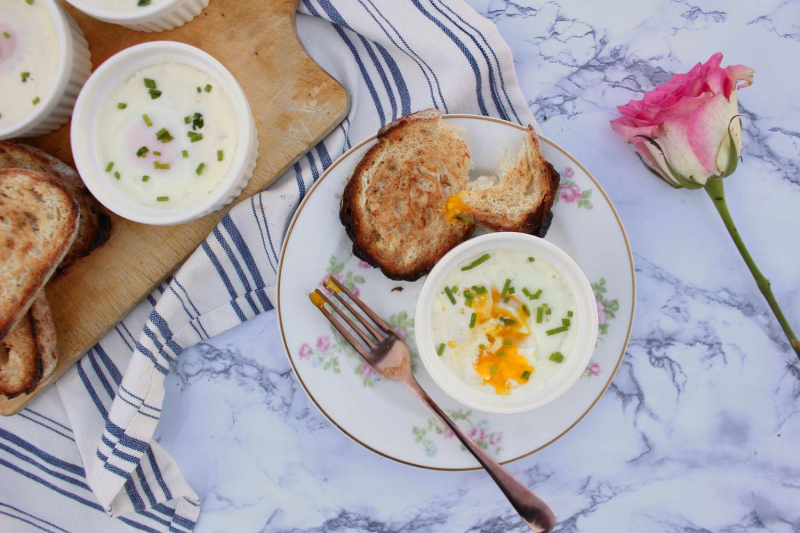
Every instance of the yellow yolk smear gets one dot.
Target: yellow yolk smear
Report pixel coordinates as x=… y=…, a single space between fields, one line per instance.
x=316 y=299
x=456 y=210
x=499 y=361
x=331 y=286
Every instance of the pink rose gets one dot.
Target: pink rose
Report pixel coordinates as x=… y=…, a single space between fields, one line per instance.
x=602 y=315
x=569 y=193
x=568 y=172
x=367 y=371
x=594 y=369
x=364 y=264
x=689 y=117
x=477 y=434
x=496 y=439
x=323 y=343
x=448 y=433
x=305 y=351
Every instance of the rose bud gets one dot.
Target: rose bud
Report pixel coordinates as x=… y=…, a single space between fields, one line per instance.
x=685 y=129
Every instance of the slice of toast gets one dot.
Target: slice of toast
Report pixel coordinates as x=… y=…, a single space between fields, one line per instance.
x=38 y=223
x=95 y=223
x=393 y=204
x=28 y=353
x=519 y=197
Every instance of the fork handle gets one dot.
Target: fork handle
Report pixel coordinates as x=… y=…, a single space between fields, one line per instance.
x=533 y=510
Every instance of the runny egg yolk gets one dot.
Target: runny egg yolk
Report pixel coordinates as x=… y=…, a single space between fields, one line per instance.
x=456 y=210
x=499 y=362
x=316 y=299
x=331 y=286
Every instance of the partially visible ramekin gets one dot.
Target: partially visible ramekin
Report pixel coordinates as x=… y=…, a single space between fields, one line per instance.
x=585 y=323
x=84 y=132
x=74 y=67
x=160 y=16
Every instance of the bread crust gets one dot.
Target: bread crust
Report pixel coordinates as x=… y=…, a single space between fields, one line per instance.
x=37 y=272
x=95 y=227
x=23 y=371
x=45 y=335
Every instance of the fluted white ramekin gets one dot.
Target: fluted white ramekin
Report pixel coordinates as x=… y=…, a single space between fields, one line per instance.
x=84 y=133
x=160 y=16
x=74 y=67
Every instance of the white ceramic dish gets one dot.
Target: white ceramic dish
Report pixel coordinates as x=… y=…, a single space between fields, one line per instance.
x=161 y=15
x=383 y=416
x=525 y=398
x=84 y=133
x=74 y=67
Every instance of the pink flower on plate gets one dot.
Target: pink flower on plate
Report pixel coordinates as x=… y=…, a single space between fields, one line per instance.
x=305 y=351
x=496 y=439
x=323 y=343
x=448 y=433
x=568 y=172
x=594 y=368
x=602 y=315
x=364 y=264
x=477 y=434
x=569 y=193
x=367 y=371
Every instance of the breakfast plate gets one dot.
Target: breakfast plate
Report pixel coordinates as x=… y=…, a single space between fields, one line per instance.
x=383 y=416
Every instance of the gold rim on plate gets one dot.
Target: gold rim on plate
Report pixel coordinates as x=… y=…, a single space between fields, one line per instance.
x=346 y=155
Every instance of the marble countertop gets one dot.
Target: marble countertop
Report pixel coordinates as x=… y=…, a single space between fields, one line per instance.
x=701 y=426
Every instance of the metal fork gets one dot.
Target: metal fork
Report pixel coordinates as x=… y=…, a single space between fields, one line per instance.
x=390 y=358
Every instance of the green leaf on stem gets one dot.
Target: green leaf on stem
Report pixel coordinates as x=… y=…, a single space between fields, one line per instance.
x=688 y=183
x=733 y=154
x=656 y=173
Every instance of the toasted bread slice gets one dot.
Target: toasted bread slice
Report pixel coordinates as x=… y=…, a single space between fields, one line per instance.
x=95 y=223
x=519 y=197
x=38 y=223
x=393 y=204
x=28 y=353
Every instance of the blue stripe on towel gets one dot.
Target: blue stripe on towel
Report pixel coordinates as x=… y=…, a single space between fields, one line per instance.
x=37 y=422
x=225 y=280
x=33 y=516
x=237 y=267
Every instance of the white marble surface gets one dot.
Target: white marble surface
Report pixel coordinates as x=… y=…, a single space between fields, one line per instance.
x=701 y=427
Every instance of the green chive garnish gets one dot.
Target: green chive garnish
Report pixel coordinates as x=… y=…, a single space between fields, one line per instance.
x=493 y=370
x=525 y=375
x=526 y=310
x=208 y=88
x=501 y=353
x=29 y=2
x=531 y=260
x=187 y=119
x=36 y=100
x=194 y=137
x=535 y=295
x=122 y=105
x=164 y=136
x=162 y=199
x=160 y=166
x=556 y=357
x=465 y=219
x=507 y=342
x=145 y=178
x=147 y=120
x=142 y=151
x=450 y=296
x=116 y=175
x=472 y=320
x=565 y=321
x=440 y=351
x=220 y=155
x=478 y=261
x=25 y=76
x=199 y=90
x=547 y=310
x=150 y=84
x=526 y=293
x=507 y=321
x=154 y=93
x=539 y=314
x=156 y=153
x=198 y=122
x=479 y=290
x=110 y=167
x=142 y=3
x=455 y=289
x=200 y=168
x=559 y=329
x=6 y=35
x=569 y=314
x=506 y=286
x=184 y=153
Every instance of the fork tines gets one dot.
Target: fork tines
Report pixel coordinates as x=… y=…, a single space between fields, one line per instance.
x=379 y=334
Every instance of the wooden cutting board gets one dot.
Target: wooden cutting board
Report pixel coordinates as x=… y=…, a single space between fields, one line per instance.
x=295 y=104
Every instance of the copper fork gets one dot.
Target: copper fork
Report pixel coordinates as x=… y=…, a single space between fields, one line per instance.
x=390 y=358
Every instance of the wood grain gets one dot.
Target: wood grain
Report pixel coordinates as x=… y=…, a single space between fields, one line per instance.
x=295 y=104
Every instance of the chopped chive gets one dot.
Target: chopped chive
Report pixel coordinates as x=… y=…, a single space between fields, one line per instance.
x=440 y=351
x=493 y=370
x=36 y=100
x=6 y=35
x=478 y=261
x=194 y=137
x=559 y=329
x=501 y=353
x=465 y=219
x=29 y=2
x=472 y=320
x=220 y=155
x=164 y=136
x=208 y=88
x=569 y=314
x=525 y=375
x=187 y=119
x=147 y=120
x=506 y=286
x=556 y=357
x=526 y=293
x=150 y=84
x=539 y=314
x=122 y=105
x=468 y=300
x=184 y=153
x=142 y=3
x=145 y=178
x=200 y=168
x=479 y=290
x=507 y=321
x=154 y=93
x=565 y=321
x=535 y=295
x=507 y=342
x=25 y=76
x=547 y=310
x=117 y=175
x=160 y=166
x=526 y=310
x=142 y=151
x=450 y=296
x=162 y=199
x=531 y=260
x=198 y=122
x=455 y=289
x=156 y=153
x=110 y=167
x=199 y=90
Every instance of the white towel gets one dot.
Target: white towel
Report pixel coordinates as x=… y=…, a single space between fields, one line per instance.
x=85 y=453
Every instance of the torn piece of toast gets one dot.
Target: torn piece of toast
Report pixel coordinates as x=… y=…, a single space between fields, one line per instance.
x=28 y=354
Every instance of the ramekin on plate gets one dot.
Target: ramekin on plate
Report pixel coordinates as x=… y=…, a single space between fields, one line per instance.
x=74 y=67
x=84 y=132
x=574 y=363
x=162 y=15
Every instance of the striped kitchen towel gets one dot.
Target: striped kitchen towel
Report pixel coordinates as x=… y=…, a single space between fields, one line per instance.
x=83 y=458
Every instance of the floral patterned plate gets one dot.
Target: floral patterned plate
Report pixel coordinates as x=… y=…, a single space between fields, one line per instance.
x=385 y=417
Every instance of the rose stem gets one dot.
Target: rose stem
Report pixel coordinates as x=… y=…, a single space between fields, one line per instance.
x=716 y=192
